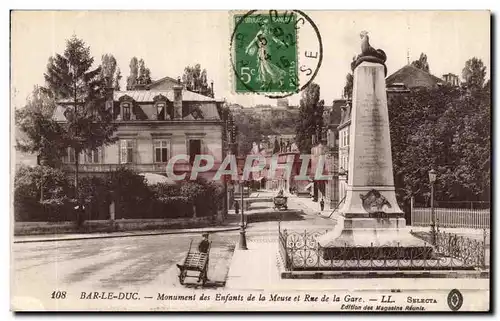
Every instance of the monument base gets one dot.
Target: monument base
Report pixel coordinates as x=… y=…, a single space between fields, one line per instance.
x=373 y=239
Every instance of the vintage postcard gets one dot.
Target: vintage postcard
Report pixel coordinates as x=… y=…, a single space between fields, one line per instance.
x=251 y=160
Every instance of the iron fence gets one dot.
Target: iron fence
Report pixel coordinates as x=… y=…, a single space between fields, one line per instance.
x=470 y=251
x=300 y=251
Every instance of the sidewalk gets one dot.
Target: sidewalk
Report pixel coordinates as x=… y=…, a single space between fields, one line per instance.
x=73 y=237
x=476 y=234
x=313 y=207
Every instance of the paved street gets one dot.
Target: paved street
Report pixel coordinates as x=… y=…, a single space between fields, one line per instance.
x=115 y=263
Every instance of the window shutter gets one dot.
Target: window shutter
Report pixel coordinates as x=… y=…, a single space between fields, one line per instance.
x=133 y=151
x=123 y=151
x=157 y=155
x=164 y=154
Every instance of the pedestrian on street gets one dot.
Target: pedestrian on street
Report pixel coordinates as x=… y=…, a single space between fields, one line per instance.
x=236 y=207
x=322 y=204
x=80 y=214
x=204 y=244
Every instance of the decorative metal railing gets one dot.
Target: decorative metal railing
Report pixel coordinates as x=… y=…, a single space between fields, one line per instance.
x=300 y=251
x=469 y=251
x=101 y=168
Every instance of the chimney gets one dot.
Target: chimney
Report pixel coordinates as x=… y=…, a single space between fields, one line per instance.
x=109 y=94
x=178 y=99
x=212 y=88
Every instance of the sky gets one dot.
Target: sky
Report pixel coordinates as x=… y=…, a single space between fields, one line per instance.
x=170 y=40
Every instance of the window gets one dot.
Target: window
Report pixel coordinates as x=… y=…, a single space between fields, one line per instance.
x=93 y=156
x=126 y=111
x=194 y=149
x=160 y=110
x=347 y=138
x=70 y=156
x=161 y=150
x=126 y=151
x=344 y=162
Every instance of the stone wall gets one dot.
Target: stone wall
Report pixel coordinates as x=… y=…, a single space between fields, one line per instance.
x=93 y=226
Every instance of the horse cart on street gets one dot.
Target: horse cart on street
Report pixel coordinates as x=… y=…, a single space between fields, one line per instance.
x=280 y=202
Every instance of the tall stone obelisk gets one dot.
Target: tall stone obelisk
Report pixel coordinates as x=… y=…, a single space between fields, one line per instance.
x=371 y=181
x=370 y=215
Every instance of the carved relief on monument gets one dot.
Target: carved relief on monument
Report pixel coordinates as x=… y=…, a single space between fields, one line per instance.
x=374 y=202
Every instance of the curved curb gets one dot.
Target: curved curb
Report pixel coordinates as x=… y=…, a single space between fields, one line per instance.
x=128 y=235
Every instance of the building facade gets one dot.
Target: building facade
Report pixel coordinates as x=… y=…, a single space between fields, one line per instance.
x=154 y=125
x=343 y=149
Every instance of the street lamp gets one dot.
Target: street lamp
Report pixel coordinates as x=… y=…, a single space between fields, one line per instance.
x=243 y=238
x=432 y=180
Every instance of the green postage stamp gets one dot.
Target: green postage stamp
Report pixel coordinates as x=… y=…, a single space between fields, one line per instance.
x=264 y=52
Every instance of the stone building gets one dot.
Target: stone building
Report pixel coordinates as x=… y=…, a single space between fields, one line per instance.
x=328 y=190
x=154 y=124
x=451 y=79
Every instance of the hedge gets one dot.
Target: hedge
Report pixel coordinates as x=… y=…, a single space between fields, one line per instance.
x=133 y=197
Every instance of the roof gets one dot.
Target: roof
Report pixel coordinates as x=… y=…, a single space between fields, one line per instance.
x=346 y=116
x=163 y=80
x=413 y=77
x=201 y=105
x=336 y=112
x=206 y=111
x=148 y=95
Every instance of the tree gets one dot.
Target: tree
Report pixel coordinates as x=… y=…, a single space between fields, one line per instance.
x=40 y=188
x=43 y=136
x=276 y=148
x=144 y=77
x=71 y=78
x=194 y=192
x=310 y=118
x=349 y=84
x=448 y=130
x=195 y=79
x=134 y=73
x=474 y=73
x=110 y=72
x=108 y=69
x=139 y=74
x=130 y=192
x=117 y=79
x=249 y=129
x=421 y=63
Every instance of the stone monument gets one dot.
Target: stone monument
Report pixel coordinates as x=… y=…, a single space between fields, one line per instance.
x=371 y=216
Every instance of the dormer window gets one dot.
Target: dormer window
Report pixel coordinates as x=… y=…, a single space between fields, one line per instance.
x=126 y=108
x=126 y=111
x=161 y=109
